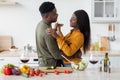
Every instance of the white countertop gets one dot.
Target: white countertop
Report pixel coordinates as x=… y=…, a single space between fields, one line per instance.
x=88 y=74
x=15 y=54
x=18 y=53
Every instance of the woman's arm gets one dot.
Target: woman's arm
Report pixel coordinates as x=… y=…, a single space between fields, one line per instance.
x=57 y=27
x=56 y=31
x=71 y=45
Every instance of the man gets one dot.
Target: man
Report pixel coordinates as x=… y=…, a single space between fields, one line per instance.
x=47 y=48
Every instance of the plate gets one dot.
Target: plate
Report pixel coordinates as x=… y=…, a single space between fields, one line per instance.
x=13 y=50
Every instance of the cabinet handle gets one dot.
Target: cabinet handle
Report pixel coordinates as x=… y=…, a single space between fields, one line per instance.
x=2 y=59
x=116 y=12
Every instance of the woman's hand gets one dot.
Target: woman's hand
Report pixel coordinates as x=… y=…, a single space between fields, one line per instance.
x=52 y=32
x=57 y=27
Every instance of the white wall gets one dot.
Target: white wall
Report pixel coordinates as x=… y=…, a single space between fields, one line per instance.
x=20 y=21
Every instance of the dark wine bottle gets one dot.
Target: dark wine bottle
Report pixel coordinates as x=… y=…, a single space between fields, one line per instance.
x=106 y=59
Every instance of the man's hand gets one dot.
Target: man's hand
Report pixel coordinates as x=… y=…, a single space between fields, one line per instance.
x=52 y=32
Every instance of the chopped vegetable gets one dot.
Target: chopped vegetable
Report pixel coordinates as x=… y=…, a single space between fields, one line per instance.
x=51 y=67
x=80 y=66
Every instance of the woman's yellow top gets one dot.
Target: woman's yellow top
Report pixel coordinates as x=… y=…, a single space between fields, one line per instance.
x=71 y=43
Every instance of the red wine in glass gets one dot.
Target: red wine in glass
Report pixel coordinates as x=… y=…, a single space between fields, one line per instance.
x=24 y=60
x=93 y=61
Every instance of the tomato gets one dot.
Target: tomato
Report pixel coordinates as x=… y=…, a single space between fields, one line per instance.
x=46 y=73
x=32 y=72
x=37 y=72
x=28 y=72
x=56 y=72
x=40 y=74
x=7 y=70
x=66 y=71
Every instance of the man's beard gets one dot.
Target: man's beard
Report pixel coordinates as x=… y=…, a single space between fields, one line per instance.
x=52 y=21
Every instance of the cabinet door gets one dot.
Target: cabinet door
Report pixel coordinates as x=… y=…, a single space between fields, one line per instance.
x=105 y=11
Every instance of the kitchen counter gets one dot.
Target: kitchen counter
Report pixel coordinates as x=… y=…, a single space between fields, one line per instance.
x=5 y=57
x=88 y=74
x=14 y=58
x=18 y=53
x=15 y=54
x=102 y=53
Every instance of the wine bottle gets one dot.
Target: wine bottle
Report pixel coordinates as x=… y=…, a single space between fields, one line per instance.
x=106 y=59
x=100 y=65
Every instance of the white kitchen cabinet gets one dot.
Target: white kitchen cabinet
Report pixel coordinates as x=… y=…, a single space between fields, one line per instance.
x=105 y=11
x=7 y=3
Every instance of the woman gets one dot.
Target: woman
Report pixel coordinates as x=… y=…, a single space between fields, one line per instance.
x=77 y=39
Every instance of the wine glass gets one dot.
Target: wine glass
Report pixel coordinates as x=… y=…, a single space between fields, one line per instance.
x=24 y=58
x=93 y=58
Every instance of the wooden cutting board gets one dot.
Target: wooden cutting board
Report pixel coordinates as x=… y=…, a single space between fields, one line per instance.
x=104 y=43
x=59 y=69
x=1 y=50
x=5 y=42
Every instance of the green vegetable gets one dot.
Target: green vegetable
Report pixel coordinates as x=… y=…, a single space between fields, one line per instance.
x=51 y=67
x=0 y=71
x=9 y=65
x=82 y=65
x=25 y=75
x=74 y=66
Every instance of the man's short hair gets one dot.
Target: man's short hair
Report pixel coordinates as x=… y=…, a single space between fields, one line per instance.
x=46 y=7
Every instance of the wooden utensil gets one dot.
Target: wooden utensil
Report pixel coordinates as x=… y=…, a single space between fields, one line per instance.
x=66 y=58
x=72 y=63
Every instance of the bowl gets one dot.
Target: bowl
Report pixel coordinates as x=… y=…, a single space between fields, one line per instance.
x=80 y=66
